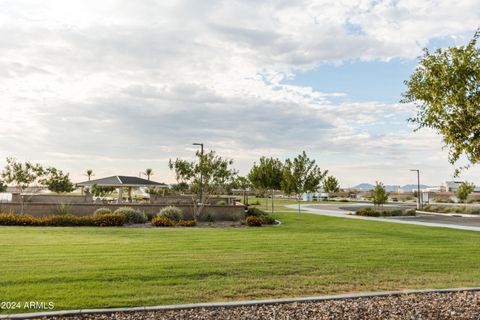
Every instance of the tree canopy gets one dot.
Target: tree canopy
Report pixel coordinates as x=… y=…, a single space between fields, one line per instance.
x=301 y=175
x=267 y=174
x=21 y=174
x=464 y=190
x=445 y=88
x=56 y=180
x=207 y=175
x=379 y=194
x=330 y=184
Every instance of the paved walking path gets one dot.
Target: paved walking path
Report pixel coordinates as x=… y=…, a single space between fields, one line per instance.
x=334 y=211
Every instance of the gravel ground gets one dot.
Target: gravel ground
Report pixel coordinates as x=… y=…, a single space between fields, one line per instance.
x=457 y=305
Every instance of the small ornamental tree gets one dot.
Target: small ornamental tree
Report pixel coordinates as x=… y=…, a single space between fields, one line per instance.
x=464 y=190
x=330 y=185
x=446 y=92
x=21 y=175
x=206 y=176
x=301 y=175
x=267 y=175
x=379 y=195
x=57 y=181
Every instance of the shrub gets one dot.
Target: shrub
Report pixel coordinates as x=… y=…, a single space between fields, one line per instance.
x=132 y=215
x=367 y=212
x=110 y=220
x=259 y=213
x=162 y=221
x=150 y=216
x=254 y=221
x=172 y=213
x=410 y=212
x=268 y=220
x=102 y=210
x=256 y=212
x=63 y=209
x=395 y=213
x=10 y=219
x=66 y=220
x=207 y=217
x=475 y=210
x=187 y=223
x=221 y=203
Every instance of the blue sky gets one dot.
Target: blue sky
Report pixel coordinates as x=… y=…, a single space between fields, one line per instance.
x=119 y=86
x=360 y=80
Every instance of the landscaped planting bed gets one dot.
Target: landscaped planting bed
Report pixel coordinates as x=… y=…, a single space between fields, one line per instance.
x=453 y=305
x=170 y=216
x=371 y=212
x=452 y=209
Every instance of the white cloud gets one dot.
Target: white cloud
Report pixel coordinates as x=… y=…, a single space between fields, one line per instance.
x=121 y=84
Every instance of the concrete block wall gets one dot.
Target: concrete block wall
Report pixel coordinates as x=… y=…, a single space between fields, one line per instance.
x=221 y=212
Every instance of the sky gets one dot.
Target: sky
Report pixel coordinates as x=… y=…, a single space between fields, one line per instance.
x=120 y=86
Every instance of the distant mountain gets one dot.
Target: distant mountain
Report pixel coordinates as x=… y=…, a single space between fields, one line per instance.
x=405 y=188
x=364 y=186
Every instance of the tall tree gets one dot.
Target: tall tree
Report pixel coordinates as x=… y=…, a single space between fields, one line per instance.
x=445 y=88
x=464 y=190
x=244 y=184
x=89 y=174
x=301 y=175
x=56 y=180
x=330 y=185
x=21 y=175
x=3 y=186
x=208 y=175
x=180 y=188
x=101 y=191
x=379 y=194
x=149 y=173
x=267 y=175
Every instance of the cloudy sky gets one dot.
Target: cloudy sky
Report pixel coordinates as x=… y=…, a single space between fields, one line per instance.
x=120 y=86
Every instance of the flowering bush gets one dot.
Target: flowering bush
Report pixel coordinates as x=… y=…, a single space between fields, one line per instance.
x=161 y=221
x=254 y=221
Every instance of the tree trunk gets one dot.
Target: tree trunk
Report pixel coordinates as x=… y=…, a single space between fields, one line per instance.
x=273 y=206
x=22 y=203
x=266 y=199
x=298 y=198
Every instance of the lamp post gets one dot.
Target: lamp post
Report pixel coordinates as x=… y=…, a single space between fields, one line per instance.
x=201 y=169
x=419 y=203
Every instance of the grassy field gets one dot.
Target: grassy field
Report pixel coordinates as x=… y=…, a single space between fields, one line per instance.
x=306 y=255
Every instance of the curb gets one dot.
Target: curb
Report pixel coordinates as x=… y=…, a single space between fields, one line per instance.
x=231 y=304
x=463 y=215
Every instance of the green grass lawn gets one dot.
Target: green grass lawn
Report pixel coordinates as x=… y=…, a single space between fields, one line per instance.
x=307 y=255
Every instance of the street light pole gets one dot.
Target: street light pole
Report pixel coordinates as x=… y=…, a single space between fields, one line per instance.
x=201 y=169
x=419 y=204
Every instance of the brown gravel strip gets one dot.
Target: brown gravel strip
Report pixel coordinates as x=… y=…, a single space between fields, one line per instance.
x=451 y=305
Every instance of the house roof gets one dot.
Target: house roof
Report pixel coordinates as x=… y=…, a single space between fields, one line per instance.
x=121 y=181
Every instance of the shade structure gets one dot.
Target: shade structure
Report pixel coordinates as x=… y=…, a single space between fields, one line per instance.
x=122 y=181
